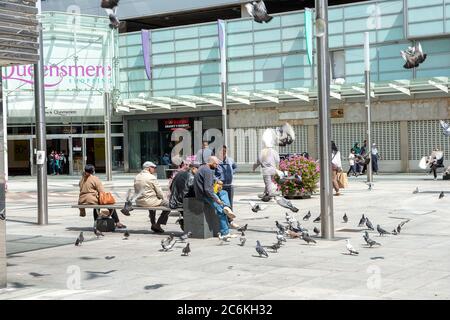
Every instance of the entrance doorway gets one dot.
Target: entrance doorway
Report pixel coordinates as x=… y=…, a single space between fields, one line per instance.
x=60 y=163
x=19 y=157
x=95 y=153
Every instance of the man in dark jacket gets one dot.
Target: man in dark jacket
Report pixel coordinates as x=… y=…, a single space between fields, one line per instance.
x=225 y=172
x=204 y=190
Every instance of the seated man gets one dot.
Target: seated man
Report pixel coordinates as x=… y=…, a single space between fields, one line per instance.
x=204 y=191
x=151 y=195
x=223 y=195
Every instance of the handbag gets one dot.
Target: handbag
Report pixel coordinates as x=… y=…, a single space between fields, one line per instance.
x=105 y=198
x=342 y=179
x=105 y=225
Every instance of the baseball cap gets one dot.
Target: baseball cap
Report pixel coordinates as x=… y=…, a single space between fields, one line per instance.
x=148 y=164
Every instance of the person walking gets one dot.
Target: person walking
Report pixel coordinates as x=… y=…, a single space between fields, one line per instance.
x=203 y=155
x=269 y=160
x=225 y=172
x=375 y=157
x=336 y=166
x=351 y=162
x=151 y=195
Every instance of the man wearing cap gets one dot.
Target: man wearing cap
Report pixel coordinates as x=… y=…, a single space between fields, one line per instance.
x=146 y=184
x=204 y=190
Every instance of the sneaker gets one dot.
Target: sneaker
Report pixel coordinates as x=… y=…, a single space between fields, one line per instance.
x=234 y=225
x=157 y=229
x=229 y=235
x=229 y=213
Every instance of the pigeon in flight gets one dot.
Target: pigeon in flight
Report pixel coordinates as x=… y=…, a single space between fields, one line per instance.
x=285 y=203
x=413 y=56
x=316 y=231
x=307 y=238
x=446 y=127
x=317 y=219
x=243 y=229
x=441 y=195
x=260 y=250
x=369 y=224
x=399 y=228
x=403 y=223
x=186 y=250
x=307 y=216
x=110 y=7
x=350 y=248
x=80 y=239
x=256 y=206
x=257 y=9
x=416 y=190
x=381 y=231
x=345 y=218
x=362 y=222
x=242 y=239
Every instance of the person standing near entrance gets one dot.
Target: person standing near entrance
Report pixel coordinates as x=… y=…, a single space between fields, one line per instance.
x=51 y=162
x=62 y=162
x=151 y=195
x=203 y=155
x=224 y=172
x=57 y=163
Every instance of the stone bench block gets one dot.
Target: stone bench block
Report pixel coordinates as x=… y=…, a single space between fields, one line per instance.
x=200 y=219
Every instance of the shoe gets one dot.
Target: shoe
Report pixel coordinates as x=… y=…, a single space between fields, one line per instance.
x=229 y=235
x=234 y=225
x=229 y=213
x=120 y=226
x=337 y=194
x=157 y=229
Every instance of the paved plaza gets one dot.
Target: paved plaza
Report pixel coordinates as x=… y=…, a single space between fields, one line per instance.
x=43 y=262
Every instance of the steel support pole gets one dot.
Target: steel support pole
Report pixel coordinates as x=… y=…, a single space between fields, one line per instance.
x=323 y=64
x=3 y=132
x=108 y=151
x=224 y=114
x=368 y=110
x=41 y=141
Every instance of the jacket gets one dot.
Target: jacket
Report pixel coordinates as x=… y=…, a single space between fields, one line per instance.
x=226 y=170
x=151 y=195
x=90 y=187
x=182 y=186
x=203 y=183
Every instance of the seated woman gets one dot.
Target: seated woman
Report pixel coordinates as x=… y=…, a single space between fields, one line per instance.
x=223 y=195
x=90 y=188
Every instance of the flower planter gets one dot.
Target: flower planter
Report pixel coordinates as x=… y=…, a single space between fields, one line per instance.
x=297 y=195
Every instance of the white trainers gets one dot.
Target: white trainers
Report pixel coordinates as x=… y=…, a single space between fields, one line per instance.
x=229 y=213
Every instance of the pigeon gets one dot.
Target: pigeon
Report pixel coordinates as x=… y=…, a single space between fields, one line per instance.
x=281 y=238
x=257 y=9
x=413 y=56
x=403 y=223
x=185 y=236
x=446 y=127
x=345 y=218
x=307 y=238
x=243 y=229
x=350 y=248
x=80 y=239
x=186 y=250
x=256 y=207
x=110 y=7
x=369 y=224
x=242 y=239
x=167 y=244
x=280 y=227
x=441 y=195
x=362 y=221
x=371 y=242
x=416 y=190
x=307 y=216
x=98 y=233
x=126 y=235
x=300 y=228
x=128 y=206
x=260 y=250
x=366 y=235
x=295 y=178
x=290 y=219
x=274 y=247
x=394 y=232
x=317 y=219
x=109 y=257
x=381 y=231
x=2 y=215
x=168 y=240
x=316 y=231
x=285 y=203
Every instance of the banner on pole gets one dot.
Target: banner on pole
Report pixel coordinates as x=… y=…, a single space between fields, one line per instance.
x=222 y=50
x=147 y=51
x=309 y=34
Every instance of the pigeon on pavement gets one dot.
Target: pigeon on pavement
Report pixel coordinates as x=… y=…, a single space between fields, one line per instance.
x=185 y=236
x=369 y=224
x=168 y=245
x=260 y=250
x=345 y=218
x=285 y=203
x=168 y=240
x=80 y=239
x=381 y=231
x=242 y=239
x=274 y=247
x=307 y=238
x=280 y=227
x=369 y=241
x=257 y=9
x=293 y=234
x=316 y=231
x=280 y=237
x=243 y=229
x=186 y=250
x=317 y=219
x=126 y=235
x=416 y=190
x=362 y=221
x=307 y=216
x=256 y=206
x=441 y=195
x=350 y=248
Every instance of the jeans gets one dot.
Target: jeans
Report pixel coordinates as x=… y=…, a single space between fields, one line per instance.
x=230 y=190
x=222 y=215
x=352 y=169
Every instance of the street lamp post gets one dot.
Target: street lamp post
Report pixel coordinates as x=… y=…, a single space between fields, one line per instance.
x=369 y=120
x=323 y=64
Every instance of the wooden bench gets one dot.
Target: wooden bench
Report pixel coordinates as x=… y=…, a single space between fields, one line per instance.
x=120 y=206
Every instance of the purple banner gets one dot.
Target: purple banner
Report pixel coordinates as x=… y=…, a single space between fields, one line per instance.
x=147 y=51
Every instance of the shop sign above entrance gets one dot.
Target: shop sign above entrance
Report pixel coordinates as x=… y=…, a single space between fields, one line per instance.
x=173 y=124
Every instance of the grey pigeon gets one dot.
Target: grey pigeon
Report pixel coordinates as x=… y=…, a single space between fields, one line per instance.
x=109 y=257
x=416 y=190
x=307 y=238
x=446 y=127
x=345 y=218
x=185 y=236
x=369 y=224
x=307 y=216
x=258 y=11
x=295 y=178
x=381 y=231
x=403 y=223
x=366 y=235
x=280 y=237
x=126 y=235
x=441 y=195
x=369 y=241
x=316 y=231
x=260 y=250
x=243 y=229
x=80 y=239
x=350 y=248
x=256 y=206
x=317 y=219
x=394 y=232
x=280 y=227
x=399 y=228
x=414 y=56
x=110 y=7
x=168 y=240
x=274 y=247
x=362 y=221
x=186 y=250
x=168 y=245
x=98 y=233
x=285 y=203
x=242 y=239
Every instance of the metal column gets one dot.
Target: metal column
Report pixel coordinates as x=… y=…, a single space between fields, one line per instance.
x=224 y=114
x=41 y=143
x=3 y=132
x=368 y=110
x=108 y=151
x=323 y=64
